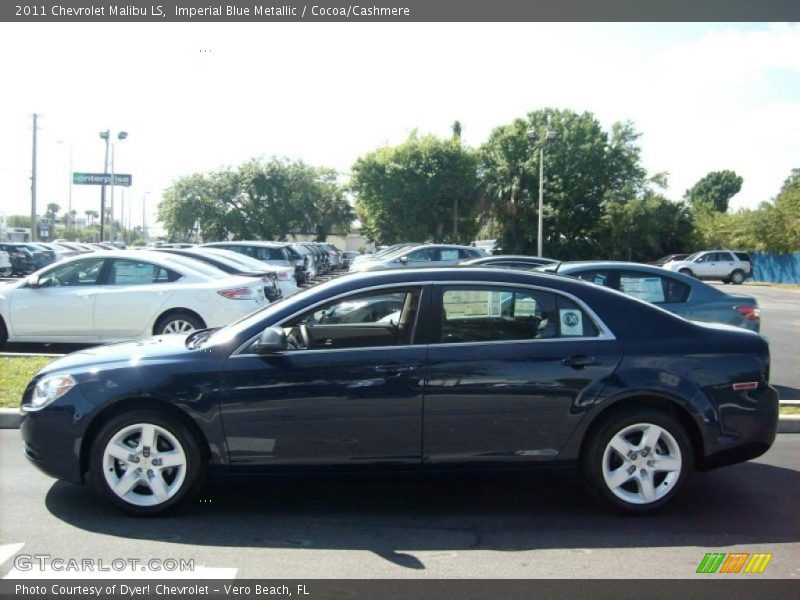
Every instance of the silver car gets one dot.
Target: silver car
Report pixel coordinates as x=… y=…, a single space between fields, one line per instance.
x=423 y=255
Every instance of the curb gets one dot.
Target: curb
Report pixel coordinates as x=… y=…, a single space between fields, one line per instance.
x=10 y=419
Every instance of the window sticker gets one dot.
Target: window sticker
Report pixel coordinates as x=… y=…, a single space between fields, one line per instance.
x=571 y=321
x=648 y=289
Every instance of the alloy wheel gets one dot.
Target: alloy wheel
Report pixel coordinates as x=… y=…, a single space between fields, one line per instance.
x=642 y=463
x=144 y=464
x=178 y=326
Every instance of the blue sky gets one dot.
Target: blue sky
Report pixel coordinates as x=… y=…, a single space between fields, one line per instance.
x=704 y=96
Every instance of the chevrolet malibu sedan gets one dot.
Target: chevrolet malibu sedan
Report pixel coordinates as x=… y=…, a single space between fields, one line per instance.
x=122 y=295
x=479 y=368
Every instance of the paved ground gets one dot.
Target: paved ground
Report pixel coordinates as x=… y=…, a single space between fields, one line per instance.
x=523 y=527
x=780 y=323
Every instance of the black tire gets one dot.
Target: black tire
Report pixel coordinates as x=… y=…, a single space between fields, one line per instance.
x=687 y=272
x=595 y=453
x=174 y=319
x=3 y=333
x=737 y=277
x=194 y=473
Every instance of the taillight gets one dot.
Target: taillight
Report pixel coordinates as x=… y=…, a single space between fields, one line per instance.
x=242 y=293
x=751 y=313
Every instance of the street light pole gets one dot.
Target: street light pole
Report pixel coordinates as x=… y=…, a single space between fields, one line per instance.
x=533 y=136
x=33 y=180
x=541 y=201
x=105 y=135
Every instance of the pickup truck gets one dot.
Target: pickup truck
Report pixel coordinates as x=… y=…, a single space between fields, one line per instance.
x=724 y=265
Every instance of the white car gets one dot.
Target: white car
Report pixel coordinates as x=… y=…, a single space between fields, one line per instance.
x=122 y=295
x=5 y=264
x=284 y=275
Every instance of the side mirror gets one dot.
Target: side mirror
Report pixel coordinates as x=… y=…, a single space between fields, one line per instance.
x=34 y=281
x=272 y=339
x=403 y=259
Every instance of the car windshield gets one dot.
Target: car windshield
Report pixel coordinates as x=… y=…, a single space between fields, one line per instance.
x=693 y=256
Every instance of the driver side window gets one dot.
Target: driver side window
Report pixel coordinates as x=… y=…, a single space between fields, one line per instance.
x=380 y=318
x=78 y=273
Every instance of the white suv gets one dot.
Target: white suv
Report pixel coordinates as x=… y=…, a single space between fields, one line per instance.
x=725 y=265
x=5 y=264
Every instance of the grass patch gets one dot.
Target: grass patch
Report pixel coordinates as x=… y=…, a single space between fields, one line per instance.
x=790 y=410
x=16 y=372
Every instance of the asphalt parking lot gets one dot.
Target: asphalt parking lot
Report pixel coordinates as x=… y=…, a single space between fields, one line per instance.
x=543 y=526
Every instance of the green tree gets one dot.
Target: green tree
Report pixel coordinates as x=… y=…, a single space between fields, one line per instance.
x=584 y=168
x=423 y=189
x=52 y=211
x=258 y=200
x=714 y=191
x=19 y=221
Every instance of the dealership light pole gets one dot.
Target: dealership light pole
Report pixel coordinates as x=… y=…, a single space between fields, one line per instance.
x=533 y=136
x=106 y=135
x=33 y=180
x=120 y=136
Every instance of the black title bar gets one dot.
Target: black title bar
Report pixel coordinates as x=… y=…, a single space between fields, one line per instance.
x=400 y=10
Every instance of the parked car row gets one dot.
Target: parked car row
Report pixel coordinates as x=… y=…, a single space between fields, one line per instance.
x=109 y=296
x=309 y=259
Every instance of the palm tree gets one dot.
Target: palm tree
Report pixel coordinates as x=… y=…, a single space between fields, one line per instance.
x=92 y=215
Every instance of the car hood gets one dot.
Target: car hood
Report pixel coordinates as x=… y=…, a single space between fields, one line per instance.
x=132 y=353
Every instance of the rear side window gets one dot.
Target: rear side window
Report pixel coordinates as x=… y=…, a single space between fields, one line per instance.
x=743 y=256
x=656 y=289
x=487 y=314
x=448 y=254
x=133 y=272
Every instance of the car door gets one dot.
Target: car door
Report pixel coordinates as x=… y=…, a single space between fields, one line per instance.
x=704 y=265
x=662 y=290
x=507 y=373
x=132 y=298
x=449 y=256
x=724 y=264
x=342 y=394
x=62 y=307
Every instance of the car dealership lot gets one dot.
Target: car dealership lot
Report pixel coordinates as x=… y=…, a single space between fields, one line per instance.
x=541 y=526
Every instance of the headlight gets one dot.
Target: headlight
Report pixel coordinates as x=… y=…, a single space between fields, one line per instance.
x=50 y=388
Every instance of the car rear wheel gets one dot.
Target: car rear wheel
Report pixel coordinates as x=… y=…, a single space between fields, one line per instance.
x=639 y=462
x=737 y=277
x=180 y=322
x=3 y=333
x=145 y=462
x=687 y=272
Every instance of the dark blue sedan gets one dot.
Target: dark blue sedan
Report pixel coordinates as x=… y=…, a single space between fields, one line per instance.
x=478 y=368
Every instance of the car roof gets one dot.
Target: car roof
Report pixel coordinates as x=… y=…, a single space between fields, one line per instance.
x=246 y=243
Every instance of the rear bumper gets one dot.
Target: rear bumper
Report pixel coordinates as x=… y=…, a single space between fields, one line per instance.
x=749 y=425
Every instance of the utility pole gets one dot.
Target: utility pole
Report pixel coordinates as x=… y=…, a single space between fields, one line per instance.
x=104 y=135
x=33 y=180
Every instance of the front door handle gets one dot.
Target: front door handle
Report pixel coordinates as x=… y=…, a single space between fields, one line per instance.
x=394 y=370
x=580 y=361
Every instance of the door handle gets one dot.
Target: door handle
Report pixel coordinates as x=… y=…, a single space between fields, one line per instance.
x=580 y=361
x=394 y=370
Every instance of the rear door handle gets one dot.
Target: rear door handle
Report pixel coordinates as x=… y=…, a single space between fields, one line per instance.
x=580 y=361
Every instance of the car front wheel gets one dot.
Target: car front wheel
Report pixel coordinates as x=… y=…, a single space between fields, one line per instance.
x=639 y=462
x=687 y=272
x=145 y=462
